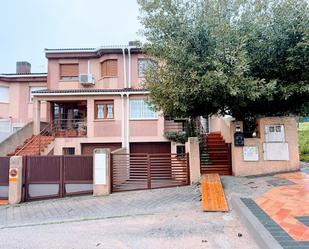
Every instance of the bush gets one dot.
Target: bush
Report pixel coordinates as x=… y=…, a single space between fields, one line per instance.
x=303 y=135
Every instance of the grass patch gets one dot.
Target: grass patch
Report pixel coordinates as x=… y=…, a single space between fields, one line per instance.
x=303 y=135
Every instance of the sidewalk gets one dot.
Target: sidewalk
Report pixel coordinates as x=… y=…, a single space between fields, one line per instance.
x=284 y=209
x=162 y=218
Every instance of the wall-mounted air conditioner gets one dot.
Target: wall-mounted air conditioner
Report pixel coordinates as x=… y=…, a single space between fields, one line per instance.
x=86 y=79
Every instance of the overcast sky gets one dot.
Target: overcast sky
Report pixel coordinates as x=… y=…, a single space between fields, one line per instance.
x=27 y=27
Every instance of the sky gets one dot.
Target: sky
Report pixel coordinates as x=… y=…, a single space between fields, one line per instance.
x=27 y=27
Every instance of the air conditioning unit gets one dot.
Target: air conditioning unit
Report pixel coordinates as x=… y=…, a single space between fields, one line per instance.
x=86 y=79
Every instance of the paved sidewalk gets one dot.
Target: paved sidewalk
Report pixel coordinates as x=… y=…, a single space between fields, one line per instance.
x=162 y=218
x=284 y=209
x=88 y=207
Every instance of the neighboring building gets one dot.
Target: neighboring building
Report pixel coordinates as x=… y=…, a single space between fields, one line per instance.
x=16 y=99
x=95 y=99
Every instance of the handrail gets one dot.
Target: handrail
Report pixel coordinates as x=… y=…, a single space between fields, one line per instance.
x=42 y=132
x=49 y=129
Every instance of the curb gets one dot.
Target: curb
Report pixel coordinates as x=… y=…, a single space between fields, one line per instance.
x=259 y=233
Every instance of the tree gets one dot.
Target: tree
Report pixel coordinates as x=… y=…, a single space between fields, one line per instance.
x=242 y=58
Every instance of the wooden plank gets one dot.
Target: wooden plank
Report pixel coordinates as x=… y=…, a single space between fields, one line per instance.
x=213 y=197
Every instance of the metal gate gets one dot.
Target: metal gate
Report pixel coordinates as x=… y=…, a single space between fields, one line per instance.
x=4 y=177
x=148 y=171
x=57 y=176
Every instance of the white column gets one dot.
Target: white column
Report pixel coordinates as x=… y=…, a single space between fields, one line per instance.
x=122 y=122
x=128 y=123
x=90 y=117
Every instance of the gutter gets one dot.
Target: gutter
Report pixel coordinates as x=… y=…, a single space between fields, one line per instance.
x=89 y=93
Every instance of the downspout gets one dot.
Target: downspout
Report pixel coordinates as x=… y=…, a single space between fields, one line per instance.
x=127 y=120
x=130 y=78
x=122 y=122
x=124 y=68
x=88 y=69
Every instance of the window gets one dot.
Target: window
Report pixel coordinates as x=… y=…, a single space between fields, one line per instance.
x=109 y=68
x=34 y=88
x=104 y=109
x=4 y=94
x=68 y=151
x=5 y=125
x=143 y=65
x=69 y=71
x=139 y=109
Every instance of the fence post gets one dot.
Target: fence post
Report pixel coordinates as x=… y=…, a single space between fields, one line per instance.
x=61 y=180
x=15 y=179
x=188 y=168
x=148 y=172
x=101 y=172
x=111 y=170
x=193 y=148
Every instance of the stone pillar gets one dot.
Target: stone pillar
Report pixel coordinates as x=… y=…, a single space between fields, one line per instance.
x=36 y=116
x=193 y=148
x=101 y=172
x=15 y=179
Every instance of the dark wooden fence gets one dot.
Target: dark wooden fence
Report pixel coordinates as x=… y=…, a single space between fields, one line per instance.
x=148 y=171
x=57 y=176
x=4 y=177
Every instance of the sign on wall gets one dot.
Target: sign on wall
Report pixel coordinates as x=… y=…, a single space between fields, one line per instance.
x=251 y=153
x=274 y=133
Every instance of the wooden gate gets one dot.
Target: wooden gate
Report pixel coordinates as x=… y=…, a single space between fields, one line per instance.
x=56 y=176
x=148 y=171
x=4 y=177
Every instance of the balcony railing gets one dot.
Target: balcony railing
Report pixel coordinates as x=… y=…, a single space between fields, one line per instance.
x=69 y=127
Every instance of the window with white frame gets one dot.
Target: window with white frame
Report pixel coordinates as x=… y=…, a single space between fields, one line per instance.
x=4 y=94
x=5 y=125
x=140 y=109
x=34 y=88
x=144 y=65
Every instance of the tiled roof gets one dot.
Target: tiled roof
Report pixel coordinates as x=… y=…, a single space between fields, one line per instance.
x=87 y=52
x=33 y=77
x=22 y=74
x=91 y=91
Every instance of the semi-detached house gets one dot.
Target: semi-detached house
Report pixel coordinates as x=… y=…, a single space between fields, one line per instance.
x=95 y=99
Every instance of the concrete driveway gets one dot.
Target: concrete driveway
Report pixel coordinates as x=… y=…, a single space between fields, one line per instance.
x=163 y=218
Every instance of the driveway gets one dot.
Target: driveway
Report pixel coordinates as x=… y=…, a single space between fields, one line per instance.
x=163 y=218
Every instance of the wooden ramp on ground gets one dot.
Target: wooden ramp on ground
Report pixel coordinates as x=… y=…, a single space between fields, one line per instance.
x=213 y=198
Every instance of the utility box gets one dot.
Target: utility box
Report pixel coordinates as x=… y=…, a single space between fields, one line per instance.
x=239 y=139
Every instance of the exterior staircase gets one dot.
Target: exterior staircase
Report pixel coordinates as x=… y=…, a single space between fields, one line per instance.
x=215 y=154
x=35 y=145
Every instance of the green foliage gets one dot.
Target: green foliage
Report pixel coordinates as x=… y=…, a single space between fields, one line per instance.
x=182 y=136
x=303 y=135
x=242 y=58
x=176 y=136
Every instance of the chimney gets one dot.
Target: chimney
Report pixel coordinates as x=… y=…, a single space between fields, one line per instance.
x=23 y=67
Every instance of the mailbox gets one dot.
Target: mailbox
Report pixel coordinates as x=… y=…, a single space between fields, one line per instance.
x=239 y=138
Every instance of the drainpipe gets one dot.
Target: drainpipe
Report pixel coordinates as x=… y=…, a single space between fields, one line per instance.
x=88 y=71
x=130 y=78
x=122 y=122
x=127 y=120
x=124 y=68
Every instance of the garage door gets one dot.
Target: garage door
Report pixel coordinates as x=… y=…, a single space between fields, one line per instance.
x=87 y=149
x=151 y=148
